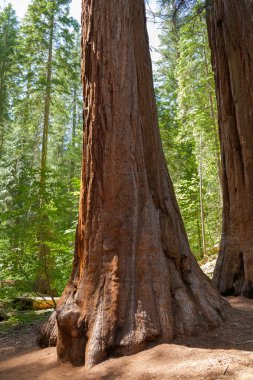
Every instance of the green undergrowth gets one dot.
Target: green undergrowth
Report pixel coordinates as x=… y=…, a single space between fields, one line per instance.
x=12 y=320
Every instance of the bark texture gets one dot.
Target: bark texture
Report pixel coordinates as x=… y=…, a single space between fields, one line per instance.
x=230 y=25
x=134 y=279
x=47 y=336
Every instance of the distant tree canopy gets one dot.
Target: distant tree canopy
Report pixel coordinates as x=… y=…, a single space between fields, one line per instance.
x=40 y=135
x=188 y=123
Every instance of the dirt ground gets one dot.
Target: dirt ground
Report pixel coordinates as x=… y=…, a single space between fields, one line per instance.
x=225 y=353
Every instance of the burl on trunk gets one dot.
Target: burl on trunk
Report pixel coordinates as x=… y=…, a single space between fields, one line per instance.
x=134 y=279
x=230 y=24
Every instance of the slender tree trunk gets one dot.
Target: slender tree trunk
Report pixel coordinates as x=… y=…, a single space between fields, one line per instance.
x=201 y=198
x=43 y=282
x=47 y=108
x=1 y=142
x=230 y=26
x=73 y=132
x=199 y=232
x=134 y=279
x=214 y=118
x=2 y=108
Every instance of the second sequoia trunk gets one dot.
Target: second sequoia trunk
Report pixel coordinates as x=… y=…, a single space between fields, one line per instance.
x=230 y=24
x=134 y=279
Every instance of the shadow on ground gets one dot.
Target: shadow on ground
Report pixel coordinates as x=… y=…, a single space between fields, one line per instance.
x=224 y=353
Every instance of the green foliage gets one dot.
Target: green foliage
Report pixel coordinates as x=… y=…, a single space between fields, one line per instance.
x=22 y=213
x=8 y=69
x=188 y=124
x=19 y=319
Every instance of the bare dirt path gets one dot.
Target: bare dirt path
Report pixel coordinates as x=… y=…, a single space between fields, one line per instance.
x=226 y=353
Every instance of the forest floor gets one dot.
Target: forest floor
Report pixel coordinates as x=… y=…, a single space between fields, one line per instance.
x=224 y=353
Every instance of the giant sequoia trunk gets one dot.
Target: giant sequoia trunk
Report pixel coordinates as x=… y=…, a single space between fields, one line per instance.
x=230 y=24
x=134 y=279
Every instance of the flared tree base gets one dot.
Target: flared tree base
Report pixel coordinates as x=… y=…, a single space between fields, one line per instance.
x=233 y=274
x=192 y=306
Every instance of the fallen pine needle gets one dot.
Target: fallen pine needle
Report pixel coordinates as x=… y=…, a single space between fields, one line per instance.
x=224 y=373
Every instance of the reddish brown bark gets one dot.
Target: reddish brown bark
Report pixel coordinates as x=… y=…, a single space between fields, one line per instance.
x=230 y=24
x=134 y=279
